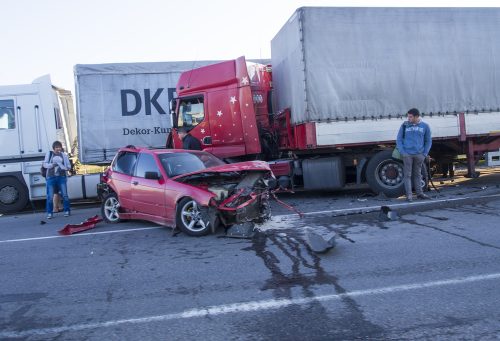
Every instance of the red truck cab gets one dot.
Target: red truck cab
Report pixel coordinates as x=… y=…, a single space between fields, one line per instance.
x=226 y=107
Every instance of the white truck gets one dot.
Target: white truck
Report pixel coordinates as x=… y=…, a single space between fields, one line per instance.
x=32 y=117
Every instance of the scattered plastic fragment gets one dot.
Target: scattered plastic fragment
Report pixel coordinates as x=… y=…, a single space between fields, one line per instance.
x=88 y=224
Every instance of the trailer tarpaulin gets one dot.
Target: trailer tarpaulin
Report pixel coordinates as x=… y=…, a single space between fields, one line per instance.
x=124 y=103
x=354 y=63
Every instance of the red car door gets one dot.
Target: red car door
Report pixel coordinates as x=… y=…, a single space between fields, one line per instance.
x=148 y=194
x=123 y=169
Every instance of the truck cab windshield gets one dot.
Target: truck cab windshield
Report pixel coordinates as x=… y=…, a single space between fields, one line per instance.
x=191 y=113
x=7 y=117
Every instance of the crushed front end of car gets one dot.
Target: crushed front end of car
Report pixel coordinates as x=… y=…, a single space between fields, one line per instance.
x=248 y=201
x=240 y=192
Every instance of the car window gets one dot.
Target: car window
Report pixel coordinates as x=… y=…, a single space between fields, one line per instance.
x=146 y=163
x=182 y=163
x=125 y=162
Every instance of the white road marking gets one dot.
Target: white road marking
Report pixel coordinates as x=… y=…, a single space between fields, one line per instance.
x=243 y=307
x=81 y=234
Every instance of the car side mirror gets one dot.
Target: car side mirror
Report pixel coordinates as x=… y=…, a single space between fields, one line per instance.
x=152 y=175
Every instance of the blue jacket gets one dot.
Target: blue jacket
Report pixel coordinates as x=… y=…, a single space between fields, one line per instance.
x=417 y=139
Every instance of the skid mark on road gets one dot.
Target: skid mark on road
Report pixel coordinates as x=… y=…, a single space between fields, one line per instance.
x=244 y=307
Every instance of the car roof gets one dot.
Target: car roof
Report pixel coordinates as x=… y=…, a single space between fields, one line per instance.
x=171 y=151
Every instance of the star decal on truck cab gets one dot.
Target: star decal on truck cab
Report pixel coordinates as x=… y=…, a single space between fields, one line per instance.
x=244 y=81
x=219 y=113
x=233 y=99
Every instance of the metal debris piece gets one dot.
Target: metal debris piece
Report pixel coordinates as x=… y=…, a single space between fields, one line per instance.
x=386 y=214
x=318 y=243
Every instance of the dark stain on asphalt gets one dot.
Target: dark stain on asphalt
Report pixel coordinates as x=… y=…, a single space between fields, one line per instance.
x=435 y=218
x=343 y=234
x=24 y=316
x=10 y=298
x=479 y=209
x=109 y=295
x=292 y=265
x=124 y=254
x=345 y=222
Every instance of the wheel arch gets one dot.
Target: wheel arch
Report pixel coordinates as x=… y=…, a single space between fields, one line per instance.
x=202 y=199
x=17 y=175
x=201 y=196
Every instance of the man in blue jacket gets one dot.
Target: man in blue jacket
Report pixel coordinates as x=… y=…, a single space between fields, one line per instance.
x=414 y=143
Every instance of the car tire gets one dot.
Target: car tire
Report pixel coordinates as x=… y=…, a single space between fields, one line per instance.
x=110 y=208
x=191 y=218
x=13 y=195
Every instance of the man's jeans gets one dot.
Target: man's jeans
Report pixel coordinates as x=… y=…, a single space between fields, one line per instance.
x=413 y=171
x=59 y=182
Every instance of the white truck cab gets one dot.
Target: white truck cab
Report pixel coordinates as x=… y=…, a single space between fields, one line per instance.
x=32 y=117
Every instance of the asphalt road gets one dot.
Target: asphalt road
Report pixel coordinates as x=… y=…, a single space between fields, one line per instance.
x=434 y=273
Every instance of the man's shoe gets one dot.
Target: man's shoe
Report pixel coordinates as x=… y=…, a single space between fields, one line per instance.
x=66 y=214
x=49 y=216
x=423 y=196
x=409 y=199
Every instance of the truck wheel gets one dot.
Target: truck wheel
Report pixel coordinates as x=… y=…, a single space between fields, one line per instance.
x=191 y=219
x=13 y=195
x=110 y=208
x=385 y=175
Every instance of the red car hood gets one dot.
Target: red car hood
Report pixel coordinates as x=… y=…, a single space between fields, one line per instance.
x=232 y=167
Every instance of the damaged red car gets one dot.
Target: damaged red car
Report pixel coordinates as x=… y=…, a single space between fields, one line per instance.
x=191 y=190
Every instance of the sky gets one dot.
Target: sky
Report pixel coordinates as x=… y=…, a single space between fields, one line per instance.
x=41 y=37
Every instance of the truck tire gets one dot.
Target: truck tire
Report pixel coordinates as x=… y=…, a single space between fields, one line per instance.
x=385 y=175
x=192 y=219
x=13 y=195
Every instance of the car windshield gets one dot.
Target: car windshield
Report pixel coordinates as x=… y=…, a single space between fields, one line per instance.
x=183 y=163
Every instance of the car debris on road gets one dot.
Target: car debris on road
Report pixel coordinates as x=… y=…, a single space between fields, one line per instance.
x=88 y=224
